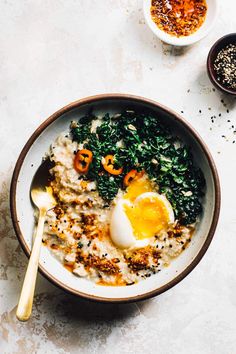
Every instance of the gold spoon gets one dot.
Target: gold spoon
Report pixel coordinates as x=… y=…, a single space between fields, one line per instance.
x=42 y=197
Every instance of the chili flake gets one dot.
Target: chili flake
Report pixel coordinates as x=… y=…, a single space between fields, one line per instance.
x=179 y=17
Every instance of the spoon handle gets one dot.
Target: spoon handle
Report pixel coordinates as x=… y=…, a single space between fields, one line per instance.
x=24 y=308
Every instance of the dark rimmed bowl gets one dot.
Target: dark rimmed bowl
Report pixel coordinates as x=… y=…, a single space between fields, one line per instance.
x=23 y=213
x=215 y=49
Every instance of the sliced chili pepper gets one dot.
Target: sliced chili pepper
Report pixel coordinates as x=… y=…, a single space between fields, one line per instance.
x=82 y=160
x=131 y=175
x=108 y=165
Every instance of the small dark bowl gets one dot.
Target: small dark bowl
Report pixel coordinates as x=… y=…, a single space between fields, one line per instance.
x=220 y=44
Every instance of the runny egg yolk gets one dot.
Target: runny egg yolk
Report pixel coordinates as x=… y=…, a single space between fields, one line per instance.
x=139 y=215
x=148 y=216
x=138 y=187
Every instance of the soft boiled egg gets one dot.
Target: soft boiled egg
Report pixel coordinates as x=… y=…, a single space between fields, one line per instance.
x=139 y=215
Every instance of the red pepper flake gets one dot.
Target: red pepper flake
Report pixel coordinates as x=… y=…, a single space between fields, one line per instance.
x=179 y=17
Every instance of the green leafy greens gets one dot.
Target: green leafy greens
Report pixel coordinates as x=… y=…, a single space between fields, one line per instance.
x=140 y=141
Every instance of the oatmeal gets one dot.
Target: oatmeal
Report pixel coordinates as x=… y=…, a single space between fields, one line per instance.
x=113 y=223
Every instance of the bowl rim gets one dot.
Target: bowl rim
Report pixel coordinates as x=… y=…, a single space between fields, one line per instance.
x=179 y=41
x=94 y=99
x=210 y=64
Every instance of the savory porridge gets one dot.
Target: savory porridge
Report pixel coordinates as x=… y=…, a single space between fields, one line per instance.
x=128 y=198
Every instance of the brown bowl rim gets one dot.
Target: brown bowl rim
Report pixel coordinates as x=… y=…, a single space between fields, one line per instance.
x=210 y=69
x=94 y=99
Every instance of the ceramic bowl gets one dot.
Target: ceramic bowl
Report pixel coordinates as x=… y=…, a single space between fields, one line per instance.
x=212 y=11
x=215 y=49
x=23 y=212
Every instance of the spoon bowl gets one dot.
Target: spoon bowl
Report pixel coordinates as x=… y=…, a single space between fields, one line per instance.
x=40 y=190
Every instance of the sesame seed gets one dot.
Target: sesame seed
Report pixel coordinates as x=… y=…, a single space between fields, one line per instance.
x=225 y=67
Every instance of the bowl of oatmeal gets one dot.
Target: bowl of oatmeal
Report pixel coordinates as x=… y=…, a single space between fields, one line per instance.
x=137 y=193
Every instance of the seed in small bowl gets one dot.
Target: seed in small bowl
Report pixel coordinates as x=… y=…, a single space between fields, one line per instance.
x=225 y=66
x=221 y=64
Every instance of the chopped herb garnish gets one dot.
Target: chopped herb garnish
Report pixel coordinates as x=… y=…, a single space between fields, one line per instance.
x=136 y=140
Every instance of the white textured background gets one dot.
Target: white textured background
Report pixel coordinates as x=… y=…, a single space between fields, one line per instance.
x=53 y=52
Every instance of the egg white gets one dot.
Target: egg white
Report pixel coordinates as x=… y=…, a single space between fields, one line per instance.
x=121 y=230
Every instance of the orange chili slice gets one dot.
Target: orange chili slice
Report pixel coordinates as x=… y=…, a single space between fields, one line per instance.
x=108 y=165
x=82 y=160
x=131 y=175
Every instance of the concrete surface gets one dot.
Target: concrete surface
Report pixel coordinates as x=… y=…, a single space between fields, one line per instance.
x=53 y=52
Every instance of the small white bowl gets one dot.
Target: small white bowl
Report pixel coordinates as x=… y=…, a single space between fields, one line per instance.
x=212 y=11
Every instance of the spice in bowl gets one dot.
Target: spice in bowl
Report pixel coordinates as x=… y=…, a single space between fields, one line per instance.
x=225 y=66
x=179 y=17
